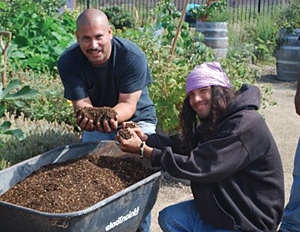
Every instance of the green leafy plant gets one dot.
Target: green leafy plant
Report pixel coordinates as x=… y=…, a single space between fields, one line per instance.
x=49 y=104
x=13 y=95
x=41 y=136
x=257 y=39
x=242 y=53
x=40 y=32
x=264 y=37
x=290 y=16
x=120 y=18
x=204 y=12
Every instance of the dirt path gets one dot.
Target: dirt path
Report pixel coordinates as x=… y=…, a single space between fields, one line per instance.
x=283 y=123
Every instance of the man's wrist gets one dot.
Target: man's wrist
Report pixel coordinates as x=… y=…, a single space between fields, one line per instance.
x=142 y=146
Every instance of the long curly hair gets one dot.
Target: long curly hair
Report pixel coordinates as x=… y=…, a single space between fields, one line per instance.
x=189 y=120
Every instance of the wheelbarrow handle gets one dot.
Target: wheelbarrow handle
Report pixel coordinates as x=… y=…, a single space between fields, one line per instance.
x=5 y=46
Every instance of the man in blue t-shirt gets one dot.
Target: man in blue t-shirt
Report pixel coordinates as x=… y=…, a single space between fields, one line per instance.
x=103 y=70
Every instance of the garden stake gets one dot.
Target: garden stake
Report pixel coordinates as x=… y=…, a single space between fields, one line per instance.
x=4 y=48
x=178 y=29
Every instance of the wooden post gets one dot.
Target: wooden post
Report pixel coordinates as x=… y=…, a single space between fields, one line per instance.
x=178 y=29
x=4 y=47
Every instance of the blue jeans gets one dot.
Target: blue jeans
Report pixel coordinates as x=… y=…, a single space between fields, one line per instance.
x=184 y=217
x=291 y=216
x=94 y=136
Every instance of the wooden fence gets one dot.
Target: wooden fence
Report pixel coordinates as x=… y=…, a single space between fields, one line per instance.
x=243 y=9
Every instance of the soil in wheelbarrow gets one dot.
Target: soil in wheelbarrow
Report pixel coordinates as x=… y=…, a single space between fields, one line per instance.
x=75 y=185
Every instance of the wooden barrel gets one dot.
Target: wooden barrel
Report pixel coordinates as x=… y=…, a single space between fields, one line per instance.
x=288 y=38
x=288 y=58
x=215 y=36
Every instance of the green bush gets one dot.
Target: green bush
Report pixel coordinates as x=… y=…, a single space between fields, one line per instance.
x=49 y=104
x=290 y=16
x=40 y=33
x=256 y=38
x=119 y=17
x=41 y=136
x=13 y=95
x=206 y=12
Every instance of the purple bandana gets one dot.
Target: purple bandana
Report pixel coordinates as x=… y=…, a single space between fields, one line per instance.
x=207 y=74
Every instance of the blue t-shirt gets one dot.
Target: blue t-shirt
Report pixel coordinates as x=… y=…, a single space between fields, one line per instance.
x=126 y=71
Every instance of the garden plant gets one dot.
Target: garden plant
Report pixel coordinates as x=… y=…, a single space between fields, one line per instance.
x=12 y=95
x=204 y=12
x=290 y=17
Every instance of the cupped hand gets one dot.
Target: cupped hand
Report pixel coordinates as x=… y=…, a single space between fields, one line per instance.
x=107 y=126
x=136 y=129
x=131 y=145
x=85 y=123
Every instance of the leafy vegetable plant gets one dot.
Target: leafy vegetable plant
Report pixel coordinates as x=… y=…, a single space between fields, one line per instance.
x=12 y=94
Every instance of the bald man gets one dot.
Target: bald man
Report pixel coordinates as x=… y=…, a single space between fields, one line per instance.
x=102 y=70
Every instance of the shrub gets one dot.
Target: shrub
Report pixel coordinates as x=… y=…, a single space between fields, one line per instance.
x=259 y=37
x=290 y=17
x=49 y=104
x=40 y=32
x=14 y=95
x=41 y=136
x=119 y=17
x=205 y=12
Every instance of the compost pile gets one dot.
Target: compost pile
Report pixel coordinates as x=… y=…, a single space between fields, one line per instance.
x=76 y=184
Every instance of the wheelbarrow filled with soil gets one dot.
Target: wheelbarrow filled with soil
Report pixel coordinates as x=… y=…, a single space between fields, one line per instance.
x=80 y=187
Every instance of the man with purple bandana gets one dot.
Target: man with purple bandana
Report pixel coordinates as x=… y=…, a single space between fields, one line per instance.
x=226 y=151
